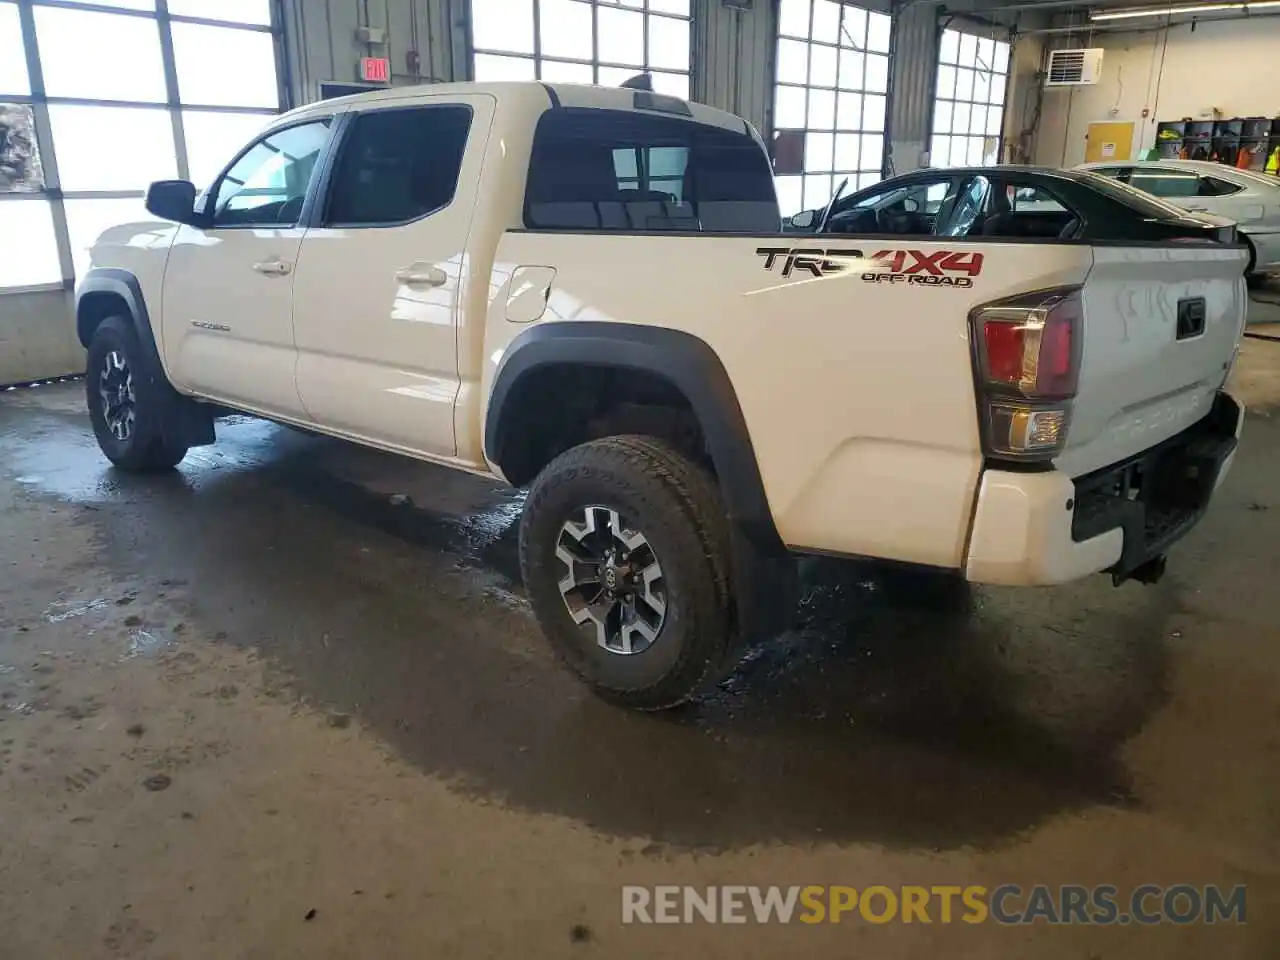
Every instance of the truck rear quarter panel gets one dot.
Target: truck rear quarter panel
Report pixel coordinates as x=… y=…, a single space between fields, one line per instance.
x=857 y=392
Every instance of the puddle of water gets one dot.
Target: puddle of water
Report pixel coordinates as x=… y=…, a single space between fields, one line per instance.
x=143 y=643
x=65 y=609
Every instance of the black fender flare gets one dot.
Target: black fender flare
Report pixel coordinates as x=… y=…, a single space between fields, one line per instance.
x=188 y=421
x=122 y=284
x=682 y=359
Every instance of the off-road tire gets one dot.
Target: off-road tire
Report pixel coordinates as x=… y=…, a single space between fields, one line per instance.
x=677 y=506
x=145 y=448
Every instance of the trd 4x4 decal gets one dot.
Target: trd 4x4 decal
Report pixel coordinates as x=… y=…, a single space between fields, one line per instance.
x=936 y=268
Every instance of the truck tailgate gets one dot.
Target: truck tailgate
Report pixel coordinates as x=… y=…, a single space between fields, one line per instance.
x=1161 y=327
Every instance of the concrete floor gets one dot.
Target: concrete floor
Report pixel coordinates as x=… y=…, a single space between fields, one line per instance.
x=263 y=707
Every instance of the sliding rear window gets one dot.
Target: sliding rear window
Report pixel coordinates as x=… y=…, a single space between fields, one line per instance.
x=619 y=170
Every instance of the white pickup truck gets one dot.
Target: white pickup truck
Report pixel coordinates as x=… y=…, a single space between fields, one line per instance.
x=587 y=291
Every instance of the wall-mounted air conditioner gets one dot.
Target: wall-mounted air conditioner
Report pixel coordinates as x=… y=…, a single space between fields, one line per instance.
x=1073 y=68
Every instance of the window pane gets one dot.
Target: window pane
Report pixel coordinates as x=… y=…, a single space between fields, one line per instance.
x=20 y=168
x=790 y=194
x=668 y=43
x=817 y=152
x=872 y=151
x=502 y=25
x=268 y=184
x=88 y=142
x=214 y=138
x=877 y=74
x=87 y=219
x=28 y=250
x=949 y=49
x=1001 y=64
x=557 y=71
x=986 y=54
x=565 y=29
x=960 y=118
x=670 y=6
x=399 y=165
x=854 y=29
x=982 y=87
x=235 y=11
x=851 y=70
x=997 y=89
x=615 y=76
x=817 y=190
x=946 y=81
x=939 y=152
x=13 y=61
x=789 y=107
x=203 y=55
x=793 y=61
x=873 y=113
x=822 y=65
x=100 y=55
x=490 y=67
x=793 y=19
x=620 y=37
x=942 y=116
x=846 y=151
x=878 y=32
x=994 y=116
x=968 y=50
x=826 y=21
x=849 y=112
x=822 y=110
x=672 y=84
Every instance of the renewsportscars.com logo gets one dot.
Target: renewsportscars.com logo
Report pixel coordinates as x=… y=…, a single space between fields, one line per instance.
x=1007 y=904
x=936 y=268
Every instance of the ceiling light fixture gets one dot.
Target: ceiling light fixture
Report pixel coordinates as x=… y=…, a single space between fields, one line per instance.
x=1176 y=11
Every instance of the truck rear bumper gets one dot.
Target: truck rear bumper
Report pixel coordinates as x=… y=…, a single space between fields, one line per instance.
x=1046 y=528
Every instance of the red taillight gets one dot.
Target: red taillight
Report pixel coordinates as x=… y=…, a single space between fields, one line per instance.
x=1028 y=358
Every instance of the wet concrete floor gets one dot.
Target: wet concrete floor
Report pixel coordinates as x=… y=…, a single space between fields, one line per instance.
x=325 y=655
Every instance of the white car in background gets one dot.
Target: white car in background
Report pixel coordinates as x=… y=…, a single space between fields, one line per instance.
x=1249 y=198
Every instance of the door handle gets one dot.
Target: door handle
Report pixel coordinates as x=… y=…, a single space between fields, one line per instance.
x=274 y=268
x=422 y=275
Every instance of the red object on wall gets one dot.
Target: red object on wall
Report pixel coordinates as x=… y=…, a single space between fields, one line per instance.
x=375 y=69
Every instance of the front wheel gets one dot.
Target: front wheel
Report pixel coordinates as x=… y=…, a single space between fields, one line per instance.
x=127 y=401
x=624 y=547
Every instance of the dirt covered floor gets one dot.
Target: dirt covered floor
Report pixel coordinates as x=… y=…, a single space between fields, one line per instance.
x=289 y=702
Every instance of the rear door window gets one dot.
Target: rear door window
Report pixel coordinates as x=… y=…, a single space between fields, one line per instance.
x=395 y=166
x=594 y=170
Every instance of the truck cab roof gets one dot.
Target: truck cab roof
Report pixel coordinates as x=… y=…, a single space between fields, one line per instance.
x=533 y=95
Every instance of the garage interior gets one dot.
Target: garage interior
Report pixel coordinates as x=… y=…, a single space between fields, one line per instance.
x=289 y=699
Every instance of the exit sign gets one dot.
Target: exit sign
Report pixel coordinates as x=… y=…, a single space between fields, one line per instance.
x=375 y=69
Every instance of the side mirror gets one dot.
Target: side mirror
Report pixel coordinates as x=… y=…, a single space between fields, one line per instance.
x=805 y=220
x=174 y=200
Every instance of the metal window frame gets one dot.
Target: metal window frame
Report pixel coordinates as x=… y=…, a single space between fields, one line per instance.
x=538 y=58
x=40 y=101
x=809 y=86
x=1003 y=104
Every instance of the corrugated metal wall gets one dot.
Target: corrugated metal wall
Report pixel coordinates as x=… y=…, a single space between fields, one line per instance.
x=733 y=58
x=915 y=57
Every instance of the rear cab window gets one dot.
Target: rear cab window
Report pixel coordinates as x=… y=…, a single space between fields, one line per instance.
x=619 y=170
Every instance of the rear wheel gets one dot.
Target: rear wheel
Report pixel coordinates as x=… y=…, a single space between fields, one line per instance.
x=128 y=401
x=624 y=547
